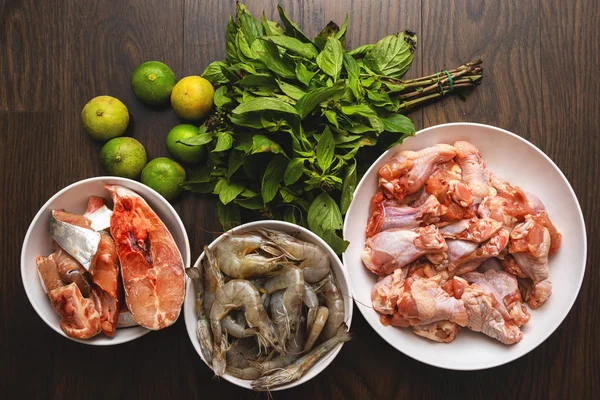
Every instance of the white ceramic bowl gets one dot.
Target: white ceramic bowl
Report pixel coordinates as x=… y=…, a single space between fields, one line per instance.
x=522 y=164
x=74 y=199
x=337 y=268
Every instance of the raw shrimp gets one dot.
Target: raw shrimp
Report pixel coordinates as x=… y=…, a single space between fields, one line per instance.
x=315 y=265
x=238 y=293
x=237 y=259
x=213 y=280
x=294 y=348
x=292 y=280
x=312 y=302
x=203 y=333
x=248 y=373
x=335 y=303
x=241 y=352
x=296 y=370
x=279 y=315
x=317 y=327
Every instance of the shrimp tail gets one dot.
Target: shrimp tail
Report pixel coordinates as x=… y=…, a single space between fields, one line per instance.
x=310 y=318
x=342 y=334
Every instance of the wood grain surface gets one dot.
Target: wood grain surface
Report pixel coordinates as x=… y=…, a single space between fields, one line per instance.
x=542 y=82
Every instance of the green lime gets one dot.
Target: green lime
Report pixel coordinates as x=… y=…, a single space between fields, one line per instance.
x=182 y=152
x=192 y=97
x=124 y=157
x=152 y=82
x=165 y=176
x=105 y=117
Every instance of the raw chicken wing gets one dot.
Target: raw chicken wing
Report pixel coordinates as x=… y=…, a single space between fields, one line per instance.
x=395 y=248
x=389 y=216
x=474 y=171
x=407 y=172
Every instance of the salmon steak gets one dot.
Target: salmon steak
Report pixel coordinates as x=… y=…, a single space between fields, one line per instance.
x=151 y=264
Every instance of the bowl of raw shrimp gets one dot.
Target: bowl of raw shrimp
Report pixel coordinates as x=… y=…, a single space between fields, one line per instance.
x=455 y=255
x=39 y=242
x=268 y=304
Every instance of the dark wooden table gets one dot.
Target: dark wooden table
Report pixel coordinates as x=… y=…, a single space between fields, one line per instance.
x=542 y=82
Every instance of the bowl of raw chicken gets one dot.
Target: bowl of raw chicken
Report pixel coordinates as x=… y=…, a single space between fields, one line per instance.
x=90 y=266
x=467 y=246
x=267 y=305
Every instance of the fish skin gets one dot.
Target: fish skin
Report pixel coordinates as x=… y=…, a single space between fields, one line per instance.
x=80 y=243
x=98 y=213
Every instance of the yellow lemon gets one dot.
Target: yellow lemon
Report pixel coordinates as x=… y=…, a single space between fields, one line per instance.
x=192 y=97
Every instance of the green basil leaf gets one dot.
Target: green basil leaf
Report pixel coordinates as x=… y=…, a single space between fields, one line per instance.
x=291 y=28
x=332 y=118
x=257 y=80
x=324 y=214
x=392 y=55
x=271 y=28
x=271 y=181
x=360 y=109
x=227 y=191
x=221 y=99
x=312 y=98
x=249 y=120
x=293 y=171
x=394 y=87
x=331 y=58
x=197 y=140
x=262 y=144
x=348 y=187
x=235 y=162
x=357 y=127
x=325 y=150
x=337 y=244
x=290 y=90
x=361 y=50
x=254 y=166
x=214 y=74
x=247 y=193
x=230 y=42
x=287 y=195
x=262 y=104
x=268 y=53
x=289 y=215
x=244 y=52
x=249 y=26
x=229 y=215
x=303 y=74
x=379 y=99
x=341 y=33
x=294 y=46
x=251 y=203
x=398 y=123
x=229 y=73
x=224 y=142
x=353 y=71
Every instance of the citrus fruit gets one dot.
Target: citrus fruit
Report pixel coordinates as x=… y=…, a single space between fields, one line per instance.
x=164 y=175
x=152 y=82
x=123 y=156
x=192 y=97
x=182 y=152
x=105 y=117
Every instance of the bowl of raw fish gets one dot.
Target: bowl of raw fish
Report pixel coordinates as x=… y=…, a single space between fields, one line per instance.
x=74 y=199
x=189 y=306
x=520 y=163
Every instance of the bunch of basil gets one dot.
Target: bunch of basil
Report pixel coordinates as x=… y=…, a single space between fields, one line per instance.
x=291 y=115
